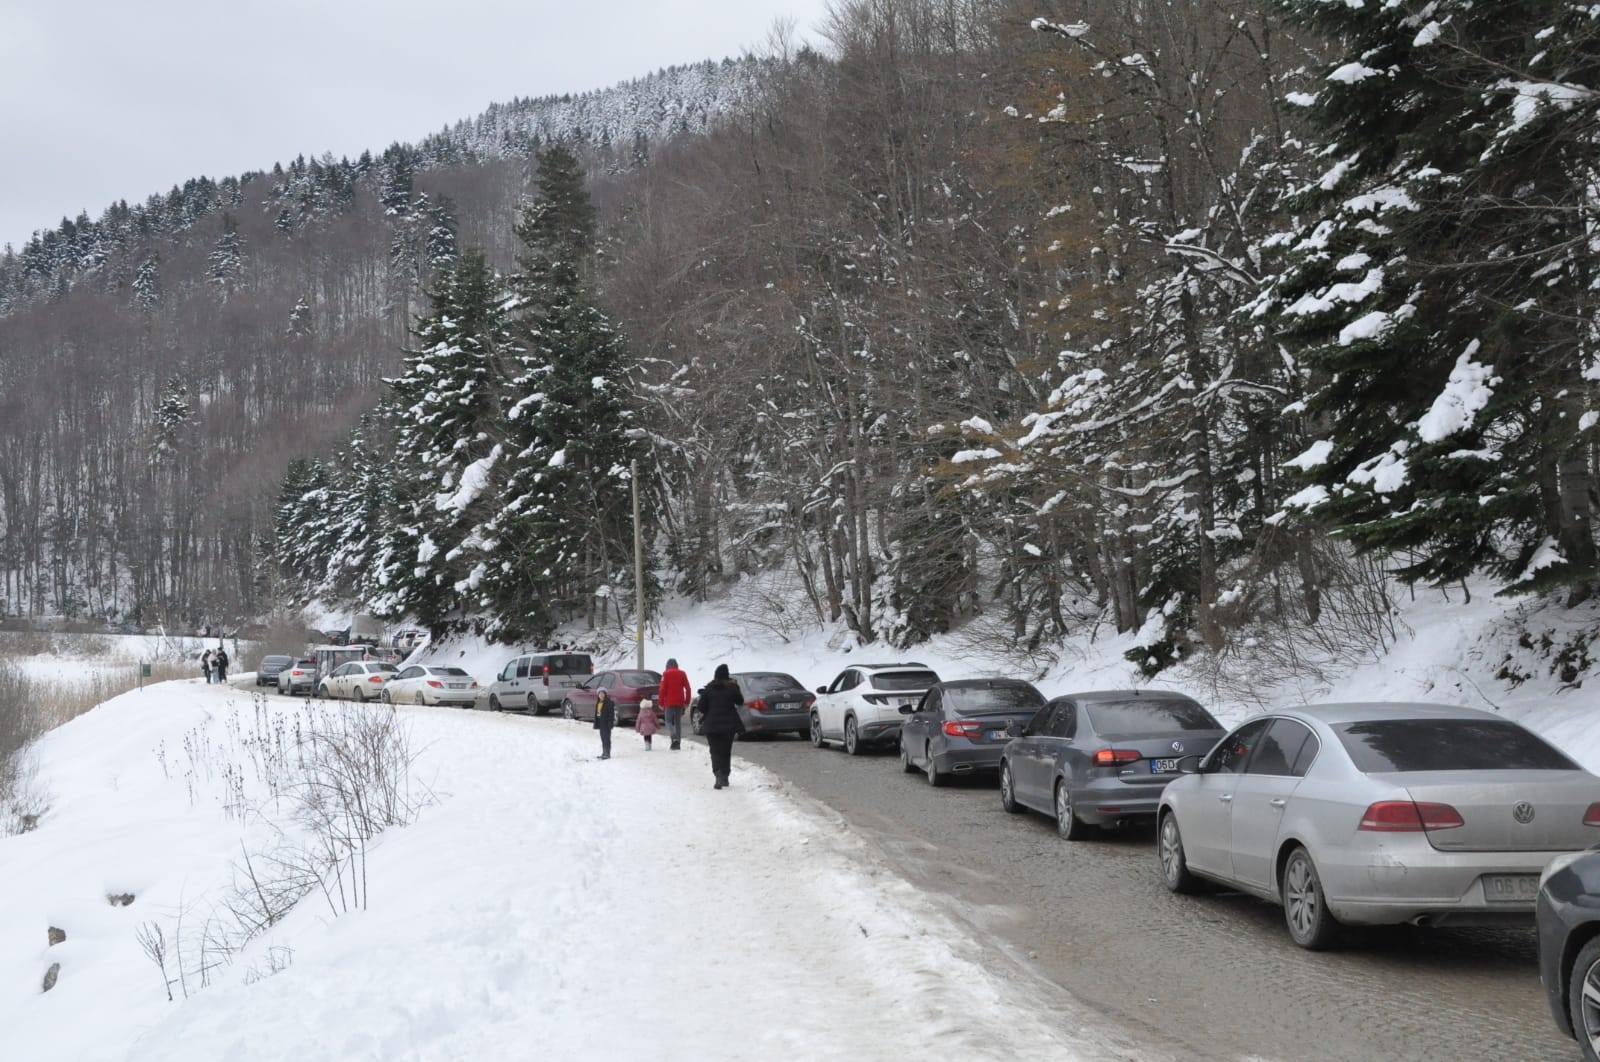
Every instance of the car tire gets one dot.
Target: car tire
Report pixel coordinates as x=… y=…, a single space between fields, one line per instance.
x=536 y=708
x=1008 y=795
x=494 y=703
x=1169 y=851
x=360 y=696
x=1068 y=825
x=567 y=711
x=852 y=737
x=322 y=693
x=935 y=777
x=1585 y=1015
x=905 y=760
x=386 y=698
x=1305 y=908
x=817 y=740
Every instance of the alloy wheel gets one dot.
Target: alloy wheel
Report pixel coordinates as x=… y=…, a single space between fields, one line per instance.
x=1586 y=999
x=1174 y=864
x=905 y=759
x=816 y=731
x=1008 y=796
x=494 y=703
x=852 y=740
x=566 y=709
x=360 y=695
x=935 y=779
x=1305 y=908
x=1068 y=825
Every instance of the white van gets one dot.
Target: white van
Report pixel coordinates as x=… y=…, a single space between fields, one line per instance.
x=536 y=682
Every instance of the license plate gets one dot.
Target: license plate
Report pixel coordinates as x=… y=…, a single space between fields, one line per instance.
x=1511 y=888
x=997 y=735
x=1163 y=766
x=458 y=685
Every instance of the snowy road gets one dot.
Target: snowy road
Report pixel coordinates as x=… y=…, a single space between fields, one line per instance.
x=1204 y=977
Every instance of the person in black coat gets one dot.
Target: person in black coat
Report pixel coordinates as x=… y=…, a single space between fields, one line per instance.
x=720 y=722
x=605 y=717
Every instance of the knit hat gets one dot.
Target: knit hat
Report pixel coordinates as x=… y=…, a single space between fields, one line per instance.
x=672 y=661
x=722 y=671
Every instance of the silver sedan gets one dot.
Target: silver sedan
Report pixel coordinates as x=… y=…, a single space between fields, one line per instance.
x=1377 y=814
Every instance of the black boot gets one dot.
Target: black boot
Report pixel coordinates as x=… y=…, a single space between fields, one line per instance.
x=674 y=744
x=722 y=781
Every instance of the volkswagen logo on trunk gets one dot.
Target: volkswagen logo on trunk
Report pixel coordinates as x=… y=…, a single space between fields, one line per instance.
x=1177 y=746
x=1522 y=811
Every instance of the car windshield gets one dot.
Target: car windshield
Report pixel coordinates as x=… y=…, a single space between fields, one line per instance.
x=1147 y=715
x=305 y=663
x=638 y=678
x=1383 y=745
x=453 y=672
x=904 y=680
x=992 y=700
x=565 y=664
x=768 y=683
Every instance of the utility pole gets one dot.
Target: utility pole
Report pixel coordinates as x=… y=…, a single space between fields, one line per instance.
x=638 y=570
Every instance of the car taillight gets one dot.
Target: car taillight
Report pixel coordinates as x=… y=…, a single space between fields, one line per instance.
x=472 y=685
x=547 y=674
x=963 y=728
x=757 y=705
x=436 y=684
x=374 y=678
x=1409 y=816
x=1592 y=816
x=810 y=700
x=1112 y=757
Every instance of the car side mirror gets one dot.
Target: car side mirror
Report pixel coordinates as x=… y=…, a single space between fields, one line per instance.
x=906 y=709
x=822 y=689
x=1189 y=765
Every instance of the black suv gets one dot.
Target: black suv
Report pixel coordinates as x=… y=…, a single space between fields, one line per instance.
x=1569 y=945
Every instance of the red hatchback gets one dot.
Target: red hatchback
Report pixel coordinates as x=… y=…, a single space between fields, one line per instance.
x=627 y=688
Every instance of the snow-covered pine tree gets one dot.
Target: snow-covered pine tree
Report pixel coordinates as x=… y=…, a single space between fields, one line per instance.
x=147 y=284
x=1441 y=288
x=566 y=526
x=226 y=260
x=445 y=407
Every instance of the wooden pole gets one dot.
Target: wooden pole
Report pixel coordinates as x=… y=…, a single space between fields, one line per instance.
x=638 y=571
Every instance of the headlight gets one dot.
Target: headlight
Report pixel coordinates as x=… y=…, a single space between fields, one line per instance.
x=1560 y=862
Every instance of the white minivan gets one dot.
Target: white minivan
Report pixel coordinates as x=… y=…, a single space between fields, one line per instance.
x=536 y=682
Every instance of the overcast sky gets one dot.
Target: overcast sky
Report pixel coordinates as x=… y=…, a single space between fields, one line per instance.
x=118 y=99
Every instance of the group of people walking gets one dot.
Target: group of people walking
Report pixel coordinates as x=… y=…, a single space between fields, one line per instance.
x=719 y=716
x=214 y=665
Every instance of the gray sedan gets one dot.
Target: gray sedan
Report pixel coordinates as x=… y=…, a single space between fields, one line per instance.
x=1378 y=814
x=1097 y=759
x=962 y=727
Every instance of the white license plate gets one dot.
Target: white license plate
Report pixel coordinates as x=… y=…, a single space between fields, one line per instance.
x=458 y=685
x=1163 y=766
x=996 y=735
x=1511 y=888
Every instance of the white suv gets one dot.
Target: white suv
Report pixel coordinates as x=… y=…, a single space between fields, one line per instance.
x=862 y=705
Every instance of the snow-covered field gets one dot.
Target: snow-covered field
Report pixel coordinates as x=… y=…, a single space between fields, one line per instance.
x=548 y=905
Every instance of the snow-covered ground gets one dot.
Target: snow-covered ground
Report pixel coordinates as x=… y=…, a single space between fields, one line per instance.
x=547 y=905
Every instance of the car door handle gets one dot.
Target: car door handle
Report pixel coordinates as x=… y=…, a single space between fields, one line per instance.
x=1226 y=798
x=1277 y=802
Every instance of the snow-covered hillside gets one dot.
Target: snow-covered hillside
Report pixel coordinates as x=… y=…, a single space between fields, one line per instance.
x=543 y=905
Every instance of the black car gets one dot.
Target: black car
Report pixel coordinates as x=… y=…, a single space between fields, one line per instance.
x=267 y=670
x=774 y=703
x=961 y=727
x=1568 y=912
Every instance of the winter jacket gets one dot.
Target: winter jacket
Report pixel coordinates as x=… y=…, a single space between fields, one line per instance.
x=605 y=712
x=719 y=708
x=674 y=691
x=647 y=723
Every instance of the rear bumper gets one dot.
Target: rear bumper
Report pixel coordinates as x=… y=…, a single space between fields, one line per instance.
x=973 y=759
x=1108 y=800
x=466 y=698
x=1394 y=883
x=774 y=722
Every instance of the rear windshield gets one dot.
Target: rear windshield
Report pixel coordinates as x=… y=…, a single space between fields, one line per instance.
x=904 y=680
x=1147 y=715
x=994 y=700
x=773 y=683
x=638 y=678
x=275 y=659
x=382 y=667
x=1385 y=745
x=305 y=663
x=564 y=664
x=451 y=671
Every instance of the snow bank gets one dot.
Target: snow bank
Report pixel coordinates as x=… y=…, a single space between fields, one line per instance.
x=548 y=906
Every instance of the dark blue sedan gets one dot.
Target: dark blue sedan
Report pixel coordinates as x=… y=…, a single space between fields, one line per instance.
x=960 y=727
x=1103 y=758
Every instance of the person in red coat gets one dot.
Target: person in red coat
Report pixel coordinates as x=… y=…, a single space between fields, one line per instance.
x=673 y=696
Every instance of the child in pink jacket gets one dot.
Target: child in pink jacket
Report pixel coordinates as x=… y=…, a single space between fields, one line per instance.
x=648 y=722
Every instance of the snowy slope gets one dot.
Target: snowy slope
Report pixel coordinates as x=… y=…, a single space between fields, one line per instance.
x=548 y=905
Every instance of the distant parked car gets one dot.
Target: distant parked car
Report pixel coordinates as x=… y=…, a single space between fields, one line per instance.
x=1096 y=759
x=538 y=681
x=774 y=703
x=962 y=727
x=300 y=676
x=431 y=684
x=359 y=680
x=267 y=670
x=861 y=706
x=1568 y=914
x=1378 y=814
x=627 y=688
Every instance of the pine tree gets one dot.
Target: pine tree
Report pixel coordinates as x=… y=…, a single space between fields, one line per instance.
x=227 y=259
x=1441 y=293
x=173 y=418
x=147 y=285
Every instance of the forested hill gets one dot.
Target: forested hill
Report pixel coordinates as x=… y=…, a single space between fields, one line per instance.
x=628 y=116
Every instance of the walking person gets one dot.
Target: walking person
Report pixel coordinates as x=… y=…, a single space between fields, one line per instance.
x=605 y=717
x=674 y=699
x=720 y=722
x=205 y=666
x=647 y=723
x=221 y=661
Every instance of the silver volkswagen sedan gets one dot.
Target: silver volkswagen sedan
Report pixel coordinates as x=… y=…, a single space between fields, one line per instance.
x=1373 y=814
